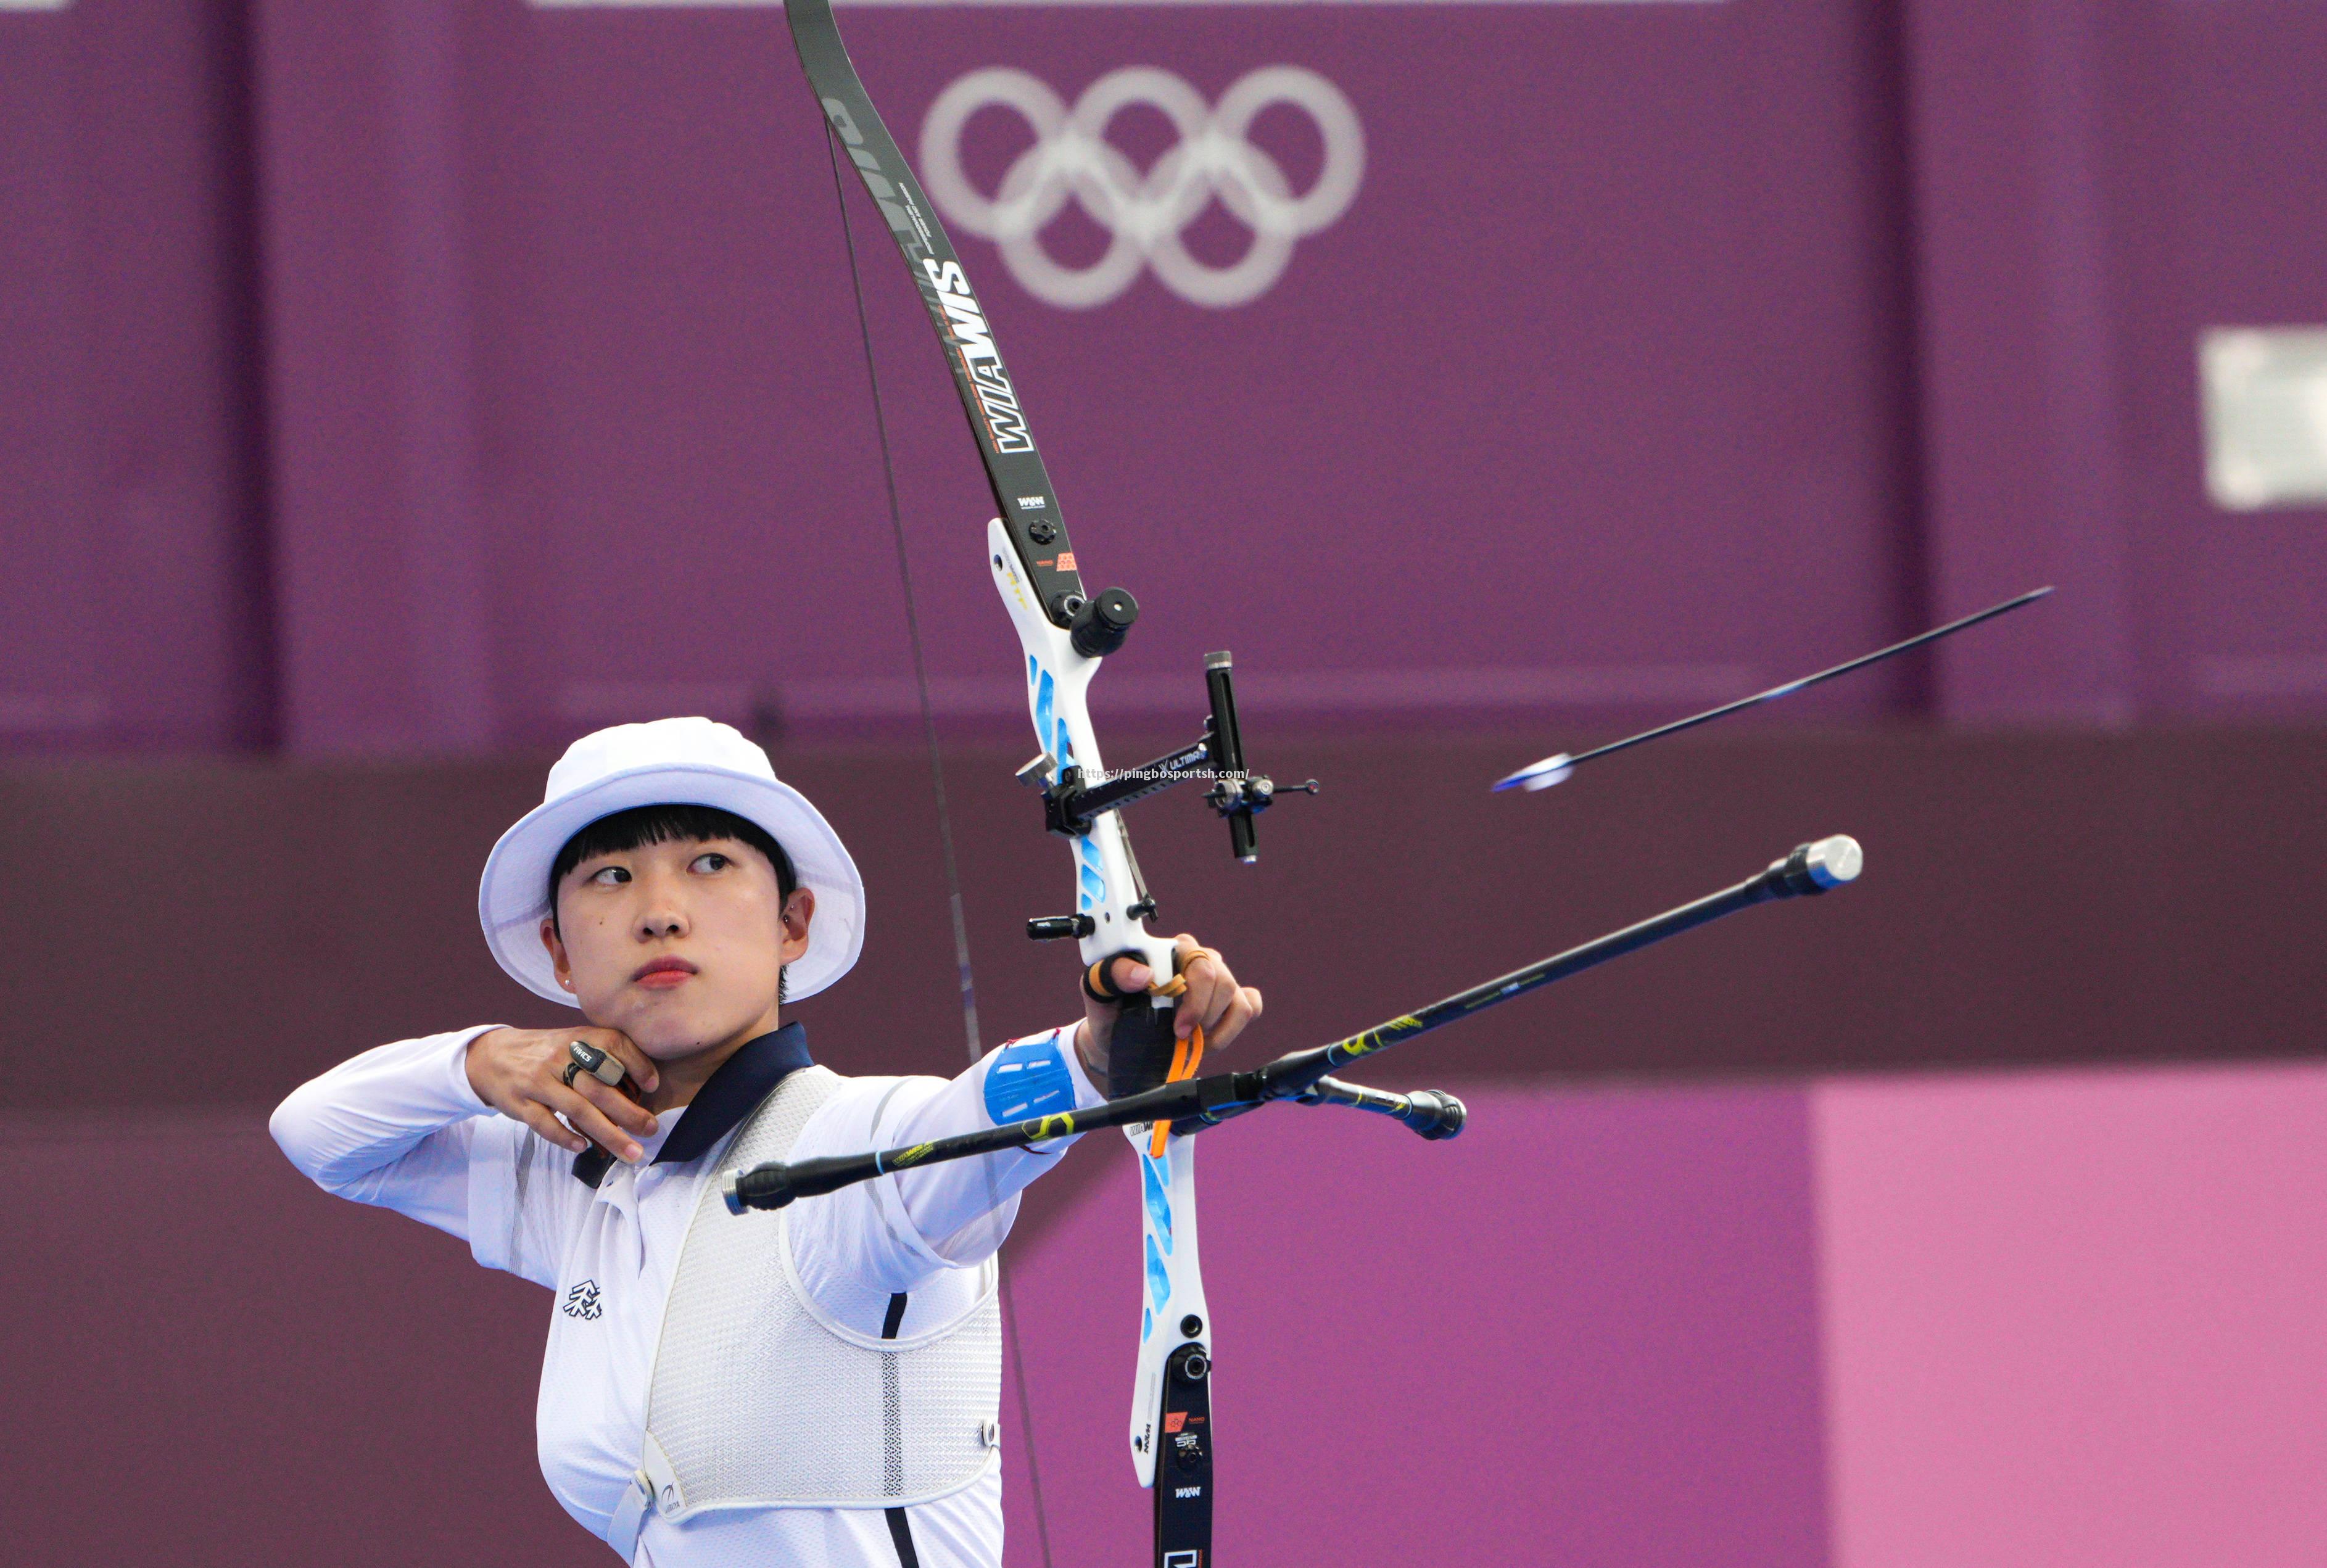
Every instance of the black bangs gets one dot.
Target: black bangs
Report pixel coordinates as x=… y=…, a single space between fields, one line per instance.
x=664 y=825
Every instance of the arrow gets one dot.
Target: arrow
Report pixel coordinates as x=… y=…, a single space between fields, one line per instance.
x=1555 y=770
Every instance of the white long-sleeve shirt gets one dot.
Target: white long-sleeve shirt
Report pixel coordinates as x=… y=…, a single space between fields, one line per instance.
x=400 y=1126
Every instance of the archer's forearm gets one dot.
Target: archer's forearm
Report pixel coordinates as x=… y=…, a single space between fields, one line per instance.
x=358 y=1130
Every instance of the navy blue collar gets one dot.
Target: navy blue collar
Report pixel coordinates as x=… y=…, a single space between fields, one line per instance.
x=733 y=1092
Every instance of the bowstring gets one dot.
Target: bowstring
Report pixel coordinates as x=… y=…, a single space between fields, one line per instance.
x=945 y=826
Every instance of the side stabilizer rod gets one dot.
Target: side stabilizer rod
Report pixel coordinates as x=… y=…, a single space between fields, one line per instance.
x=1433 y=1113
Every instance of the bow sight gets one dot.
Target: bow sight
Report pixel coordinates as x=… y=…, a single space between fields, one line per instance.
x=1071 y=804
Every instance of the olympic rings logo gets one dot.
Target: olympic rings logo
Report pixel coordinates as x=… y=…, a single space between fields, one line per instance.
x=1144 y=215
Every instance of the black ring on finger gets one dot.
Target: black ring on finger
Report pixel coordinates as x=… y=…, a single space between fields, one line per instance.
x=603 y=1065
x=567 y=1077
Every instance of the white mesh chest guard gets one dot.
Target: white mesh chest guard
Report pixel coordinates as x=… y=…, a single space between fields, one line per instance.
x=759 y=1401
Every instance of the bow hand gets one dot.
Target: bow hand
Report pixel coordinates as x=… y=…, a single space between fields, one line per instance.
x=1122 y=1003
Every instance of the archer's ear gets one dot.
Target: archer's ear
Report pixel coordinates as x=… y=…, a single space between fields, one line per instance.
x=798 y=911
x=557 y=959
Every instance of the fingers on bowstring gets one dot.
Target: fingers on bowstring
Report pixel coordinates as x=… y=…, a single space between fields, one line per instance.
x=590 y=1122
x=617 y=1105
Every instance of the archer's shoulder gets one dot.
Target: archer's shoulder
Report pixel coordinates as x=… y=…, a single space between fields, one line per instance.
x=852 y=1094
x=853 y=1110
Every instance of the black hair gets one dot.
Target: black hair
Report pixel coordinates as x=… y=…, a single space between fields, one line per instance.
x=642 y=825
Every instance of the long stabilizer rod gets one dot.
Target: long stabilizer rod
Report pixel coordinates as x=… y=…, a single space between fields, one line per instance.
x=1555 y=770
x=1194 y=1104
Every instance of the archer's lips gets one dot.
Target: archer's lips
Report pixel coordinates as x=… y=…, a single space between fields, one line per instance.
x=663 y=974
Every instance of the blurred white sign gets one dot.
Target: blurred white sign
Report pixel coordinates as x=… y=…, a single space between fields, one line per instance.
x=2265 y=390
x=33 y=5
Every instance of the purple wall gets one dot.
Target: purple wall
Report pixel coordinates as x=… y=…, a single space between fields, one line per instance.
x=1663 y=348
x=135 y=606
x=2094 y=185
x=1586 y=1334
x=1504 y=397
x=233 y=1369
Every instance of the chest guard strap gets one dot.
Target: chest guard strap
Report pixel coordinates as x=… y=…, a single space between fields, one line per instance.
x=759 y=1399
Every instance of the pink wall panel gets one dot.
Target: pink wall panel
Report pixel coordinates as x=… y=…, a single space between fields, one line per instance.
x=2076 y=1319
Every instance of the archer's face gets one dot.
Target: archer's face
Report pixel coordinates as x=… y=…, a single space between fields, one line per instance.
x=678 y=945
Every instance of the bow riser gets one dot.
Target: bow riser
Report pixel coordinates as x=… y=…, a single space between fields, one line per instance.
x=1108 y=890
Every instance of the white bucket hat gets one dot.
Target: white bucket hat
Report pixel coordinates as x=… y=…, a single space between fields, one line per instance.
x=667 y=762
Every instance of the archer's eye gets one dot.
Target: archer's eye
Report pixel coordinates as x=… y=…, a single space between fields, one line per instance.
x=609 y=877
x=710 y=861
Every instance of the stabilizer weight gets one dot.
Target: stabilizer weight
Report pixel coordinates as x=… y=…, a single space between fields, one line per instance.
x=776 y=1185
x=1436 y=1113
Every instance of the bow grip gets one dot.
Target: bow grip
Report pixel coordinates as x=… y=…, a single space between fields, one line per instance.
x=1141 y=1044
x=1140 y=1047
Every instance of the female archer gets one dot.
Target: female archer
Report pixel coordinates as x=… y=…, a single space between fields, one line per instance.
x=816 y=1386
